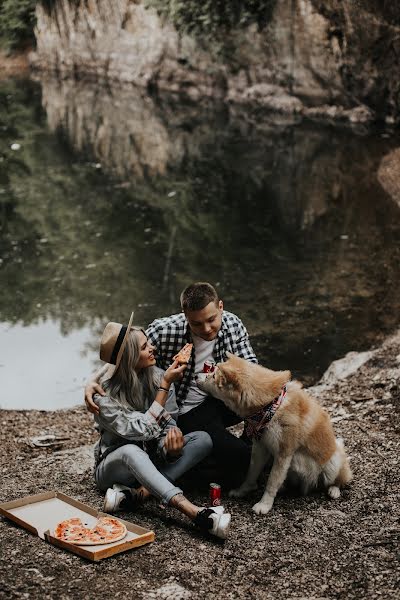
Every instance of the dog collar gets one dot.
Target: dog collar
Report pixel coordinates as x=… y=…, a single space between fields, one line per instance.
x=256 y=423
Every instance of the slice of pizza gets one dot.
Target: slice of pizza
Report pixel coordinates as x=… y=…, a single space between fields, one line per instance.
x=183 y=355
x=105 y=531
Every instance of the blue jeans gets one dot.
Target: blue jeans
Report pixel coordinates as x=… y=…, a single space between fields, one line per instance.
x=130 y=465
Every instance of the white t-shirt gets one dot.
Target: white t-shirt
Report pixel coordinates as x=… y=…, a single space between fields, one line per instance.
x=203 y=351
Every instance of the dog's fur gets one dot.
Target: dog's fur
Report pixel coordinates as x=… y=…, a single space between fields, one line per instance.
x=300 y=437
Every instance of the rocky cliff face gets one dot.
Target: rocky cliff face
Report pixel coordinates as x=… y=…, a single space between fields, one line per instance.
x=335 y=58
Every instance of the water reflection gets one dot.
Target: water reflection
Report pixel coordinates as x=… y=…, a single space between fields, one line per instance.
x=40 y=368
x=117 y=200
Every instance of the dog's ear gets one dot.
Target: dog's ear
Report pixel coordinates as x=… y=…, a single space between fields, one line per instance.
x=279 y=379
x=288 y=375
x=229 y=374
x=229 y=354
x=233 y=378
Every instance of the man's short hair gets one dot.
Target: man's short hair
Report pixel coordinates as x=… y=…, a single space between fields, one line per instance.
x=197 y=295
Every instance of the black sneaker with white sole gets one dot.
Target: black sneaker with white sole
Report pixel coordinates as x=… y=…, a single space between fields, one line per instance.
x=214 y=520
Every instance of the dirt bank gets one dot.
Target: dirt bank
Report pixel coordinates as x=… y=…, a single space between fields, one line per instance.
x=305 y=548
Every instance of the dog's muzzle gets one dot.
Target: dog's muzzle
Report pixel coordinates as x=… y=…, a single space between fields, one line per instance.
x=200 y=381
x=201 y=377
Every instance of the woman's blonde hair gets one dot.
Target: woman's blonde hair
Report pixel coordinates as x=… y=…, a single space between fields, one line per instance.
x=128 y=388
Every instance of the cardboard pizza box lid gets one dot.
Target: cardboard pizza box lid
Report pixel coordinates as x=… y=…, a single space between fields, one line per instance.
x=41 y=513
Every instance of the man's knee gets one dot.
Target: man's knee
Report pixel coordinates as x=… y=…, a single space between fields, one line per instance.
x=224 y=438
x=231 y=449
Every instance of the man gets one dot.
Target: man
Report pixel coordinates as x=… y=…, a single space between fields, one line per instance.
x=213 y=332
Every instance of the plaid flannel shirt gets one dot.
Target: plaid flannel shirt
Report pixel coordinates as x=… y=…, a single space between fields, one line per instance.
x=170 y=334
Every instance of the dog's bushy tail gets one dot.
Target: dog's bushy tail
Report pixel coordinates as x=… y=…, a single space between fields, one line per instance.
x=345 y=475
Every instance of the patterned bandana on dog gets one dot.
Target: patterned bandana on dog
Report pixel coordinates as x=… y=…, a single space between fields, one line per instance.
x=256 y=424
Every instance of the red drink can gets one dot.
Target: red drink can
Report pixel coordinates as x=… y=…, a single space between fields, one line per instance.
x=209 y=366
x=215 y=494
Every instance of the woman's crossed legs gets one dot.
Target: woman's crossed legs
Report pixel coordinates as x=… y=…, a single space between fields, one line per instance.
x=130 y=465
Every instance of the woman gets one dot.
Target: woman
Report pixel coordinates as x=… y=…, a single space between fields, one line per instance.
x=141 y=452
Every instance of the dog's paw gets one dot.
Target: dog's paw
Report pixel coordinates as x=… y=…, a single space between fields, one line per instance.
x=262 y=508
x=334 y=492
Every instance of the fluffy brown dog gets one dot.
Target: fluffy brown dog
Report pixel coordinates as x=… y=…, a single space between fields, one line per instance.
x=286 y=423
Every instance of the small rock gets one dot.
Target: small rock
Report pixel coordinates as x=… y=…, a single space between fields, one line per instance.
x=344 y=367
x=361 y=114
x=170 y=591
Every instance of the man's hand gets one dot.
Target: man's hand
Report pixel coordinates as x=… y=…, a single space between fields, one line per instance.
x=92 y=388
x=174 y=442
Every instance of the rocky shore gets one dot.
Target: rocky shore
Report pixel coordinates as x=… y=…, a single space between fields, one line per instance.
x=307 y=547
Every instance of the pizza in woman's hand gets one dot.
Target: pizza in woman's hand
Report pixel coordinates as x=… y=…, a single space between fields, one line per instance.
x=183 y=355
x=105 y=531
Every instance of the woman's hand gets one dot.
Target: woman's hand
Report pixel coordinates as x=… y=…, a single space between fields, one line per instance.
x=91 y=389
x=173 y=373
x=174 y=442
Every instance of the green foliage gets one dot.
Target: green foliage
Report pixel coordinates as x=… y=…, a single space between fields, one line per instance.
x=17 y=20
x=213 y=18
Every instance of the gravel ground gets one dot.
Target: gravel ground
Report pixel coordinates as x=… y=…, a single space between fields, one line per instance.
x=306 y=548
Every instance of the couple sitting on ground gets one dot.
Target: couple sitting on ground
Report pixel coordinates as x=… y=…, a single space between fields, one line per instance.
x=137 y=405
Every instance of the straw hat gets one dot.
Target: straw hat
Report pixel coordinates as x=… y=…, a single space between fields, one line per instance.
x=113 y=342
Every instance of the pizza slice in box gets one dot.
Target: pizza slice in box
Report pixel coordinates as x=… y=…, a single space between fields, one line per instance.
x=183 y=355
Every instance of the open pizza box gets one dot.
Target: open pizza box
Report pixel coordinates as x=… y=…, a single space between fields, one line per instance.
x=41 y=513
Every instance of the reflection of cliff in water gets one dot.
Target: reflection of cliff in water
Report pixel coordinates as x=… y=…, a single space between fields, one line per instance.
x=288 y=219
x=134 y=136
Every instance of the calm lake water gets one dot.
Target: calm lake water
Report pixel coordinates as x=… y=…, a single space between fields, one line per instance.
x=112 y=201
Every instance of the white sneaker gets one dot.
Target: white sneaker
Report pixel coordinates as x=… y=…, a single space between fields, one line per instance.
x=120 y=488
x=217 y=509
x=214 y=521
x=221 y=523
x=113 y=500
x=117 y=498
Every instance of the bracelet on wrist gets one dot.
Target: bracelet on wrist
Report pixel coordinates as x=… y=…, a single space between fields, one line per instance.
x=163 y=389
